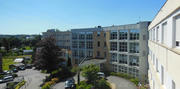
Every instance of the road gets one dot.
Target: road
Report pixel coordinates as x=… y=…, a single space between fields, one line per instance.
x=2 y=85
x=61 y=85
x=33 y=78
x=121 y=83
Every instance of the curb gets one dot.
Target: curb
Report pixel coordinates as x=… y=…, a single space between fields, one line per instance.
x=113 y=86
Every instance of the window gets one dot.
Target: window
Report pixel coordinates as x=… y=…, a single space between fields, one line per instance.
x=123 y=58
x=81 y=44
x=98 y=44
x=164 y=32
x=173 y=85
x=133 y=60
x=81 y=53
x=177 y=30
x=113 y=46
x=134 y=47
x=162 y=75
x=104 y=34
x=122 y=69
x=134 y=72
x=98 y=54
x=89 y=35
x=74 y=44
x=113 y=34
x=74 y=35
x=123 y=34
x=82 y=35
x=157 y=65
x=113 y=57
x=123 y=46
x=98 y=33
x=154 y=35
x=104 y=43
x=89 y=54
x=157 y=34
x=115 y=68
x=89 y=45
x=75 y=53
x=134 y=34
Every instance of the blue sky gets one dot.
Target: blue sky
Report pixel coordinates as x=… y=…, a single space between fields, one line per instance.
x=36 y=16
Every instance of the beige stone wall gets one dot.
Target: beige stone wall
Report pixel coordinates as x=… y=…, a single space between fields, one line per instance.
x=169 y=7
x=169 y=58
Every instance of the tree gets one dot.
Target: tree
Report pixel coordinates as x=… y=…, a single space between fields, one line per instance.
x=69 y=62
x=90 y=73
x=102 y=84
x=47 y=57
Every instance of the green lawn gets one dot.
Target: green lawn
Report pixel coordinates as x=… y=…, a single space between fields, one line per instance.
x=7 y=62
x=10 y=60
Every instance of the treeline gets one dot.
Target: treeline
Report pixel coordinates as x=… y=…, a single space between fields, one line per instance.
x=9 y=43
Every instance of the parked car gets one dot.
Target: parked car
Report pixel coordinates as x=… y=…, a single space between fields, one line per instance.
x=21 y=68
x=1 y=81
x=28 y=66
x=70 y=84
x=101 y=75
x=8 y=78
x=15 y=70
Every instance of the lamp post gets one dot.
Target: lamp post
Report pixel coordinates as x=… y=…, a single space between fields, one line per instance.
x=78 y=72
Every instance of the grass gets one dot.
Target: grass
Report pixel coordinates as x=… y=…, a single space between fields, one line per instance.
x=9 y=60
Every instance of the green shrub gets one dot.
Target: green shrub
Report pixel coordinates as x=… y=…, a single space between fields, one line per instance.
x=19 y=85
x=15 y=75
x=135 y=81
x=84 y=85
x=1 y=76
x=102 y=84
x=43 y=71
x=74 y=69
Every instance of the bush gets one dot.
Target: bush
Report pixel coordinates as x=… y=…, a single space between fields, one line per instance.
x=15 y=75
x=19 y=85
x=74 y=69
x=84 y=85
x=55 y=80
x=135 y=81
x=48 y=85
x=102 y=84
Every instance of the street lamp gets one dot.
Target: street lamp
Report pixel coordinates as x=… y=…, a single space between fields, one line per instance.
x=78 y=72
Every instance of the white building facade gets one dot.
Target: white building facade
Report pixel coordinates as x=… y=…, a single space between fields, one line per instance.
x=129 y=50
x=164 y=47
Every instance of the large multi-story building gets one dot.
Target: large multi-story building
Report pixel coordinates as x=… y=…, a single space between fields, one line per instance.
x=89 y=43
x=62 y=37
x=164 y=44
x=128 y=49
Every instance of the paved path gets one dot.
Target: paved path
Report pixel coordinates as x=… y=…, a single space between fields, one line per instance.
x=121 y=83
x=61 y=85
x=33 y=78
x=2 y=85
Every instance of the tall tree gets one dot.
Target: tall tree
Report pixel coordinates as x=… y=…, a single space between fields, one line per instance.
x=47 y=54
x=90 y=73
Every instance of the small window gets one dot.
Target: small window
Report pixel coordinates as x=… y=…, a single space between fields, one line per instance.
x=98 y=43
x=98 y=33
x=173 y=85
x=104 y=44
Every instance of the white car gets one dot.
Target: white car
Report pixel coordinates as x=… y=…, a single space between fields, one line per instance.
x=101 y=75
